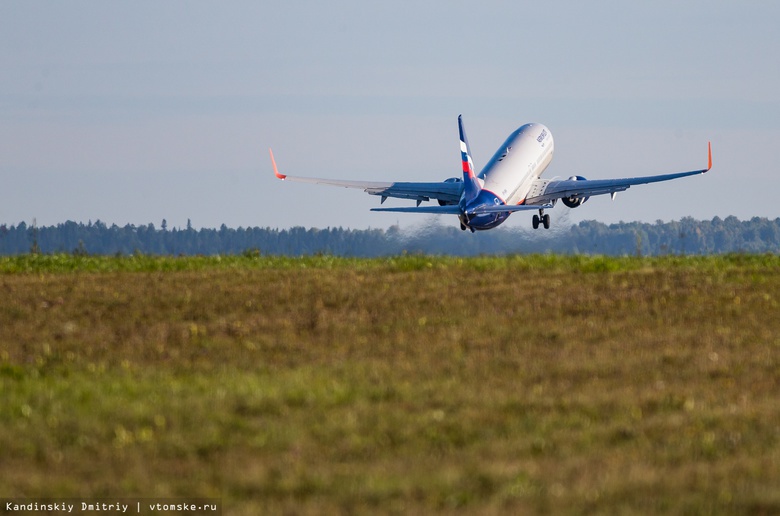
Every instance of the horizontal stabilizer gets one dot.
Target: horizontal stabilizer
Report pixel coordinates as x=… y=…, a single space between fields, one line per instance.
x=455 y=209
x=505 y=208
x=449 y=208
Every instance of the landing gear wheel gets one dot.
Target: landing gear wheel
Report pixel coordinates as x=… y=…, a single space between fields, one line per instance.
x=546 y=221
x=535 y=222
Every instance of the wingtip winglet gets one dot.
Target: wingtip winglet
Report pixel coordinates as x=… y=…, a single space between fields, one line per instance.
x=709 y=156
x=273 y=162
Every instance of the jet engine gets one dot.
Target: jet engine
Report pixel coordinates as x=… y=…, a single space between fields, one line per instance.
x=450 y=180
x=574 y=201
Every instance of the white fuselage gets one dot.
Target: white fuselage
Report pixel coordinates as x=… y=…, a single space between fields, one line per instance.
x=514 y=167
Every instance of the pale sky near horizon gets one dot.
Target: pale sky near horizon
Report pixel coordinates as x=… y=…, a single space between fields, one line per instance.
x=134 y=112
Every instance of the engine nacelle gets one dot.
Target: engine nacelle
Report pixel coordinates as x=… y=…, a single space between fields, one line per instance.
x=574 y=201
x=450 y=180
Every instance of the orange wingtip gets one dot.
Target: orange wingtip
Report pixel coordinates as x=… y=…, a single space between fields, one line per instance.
x=709 y=155
x=273 y=162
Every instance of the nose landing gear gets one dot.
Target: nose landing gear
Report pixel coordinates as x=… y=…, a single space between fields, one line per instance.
x=541 y=218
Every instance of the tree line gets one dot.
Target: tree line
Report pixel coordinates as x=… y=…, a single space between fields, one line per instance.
x=686 y=236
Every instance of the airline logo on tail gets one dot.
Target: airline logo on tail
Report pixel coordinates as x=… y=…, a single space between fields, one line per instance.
x=468 y=165
x=465 y=152
x=470 y=183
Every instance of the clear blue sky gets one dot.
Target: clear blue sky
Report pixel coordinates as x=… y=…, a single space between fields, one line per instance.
x=131 y=112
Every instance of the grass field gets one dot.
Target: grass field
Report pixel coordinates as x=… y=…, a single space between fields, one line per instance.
x=536 y=384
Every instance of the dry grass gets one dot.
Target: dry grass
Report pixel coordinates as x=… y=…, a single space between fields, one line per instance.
x=416 y=384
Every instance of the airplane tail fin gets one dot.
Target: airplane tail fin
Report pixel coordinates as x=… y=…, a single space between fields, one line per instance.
x=470 y=182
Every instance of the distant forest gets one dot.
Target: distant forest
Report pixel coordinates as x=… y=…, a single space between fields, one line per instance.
x=687 y=236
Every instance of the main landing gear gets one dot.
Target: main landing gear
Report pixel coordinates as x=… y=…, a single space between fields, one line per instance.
x=544 y=219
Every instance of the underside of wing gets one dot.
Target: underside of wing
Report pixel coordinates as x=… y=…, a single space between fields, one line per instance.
x=545 y=190
x=446 y=191
x=550 y=190
x=442 y=191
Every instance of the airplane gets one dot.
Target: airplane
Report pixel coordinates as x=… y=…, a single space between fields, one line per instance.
x=511 y=181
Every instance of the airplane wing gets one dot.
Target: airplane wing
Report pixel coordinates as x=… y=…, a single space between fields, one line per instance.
x=443 y=191
x=546 y=190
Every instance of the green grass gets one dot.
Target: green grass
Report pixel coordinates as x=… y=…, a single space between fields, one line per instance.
x=412 y=384
x=67 y=263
